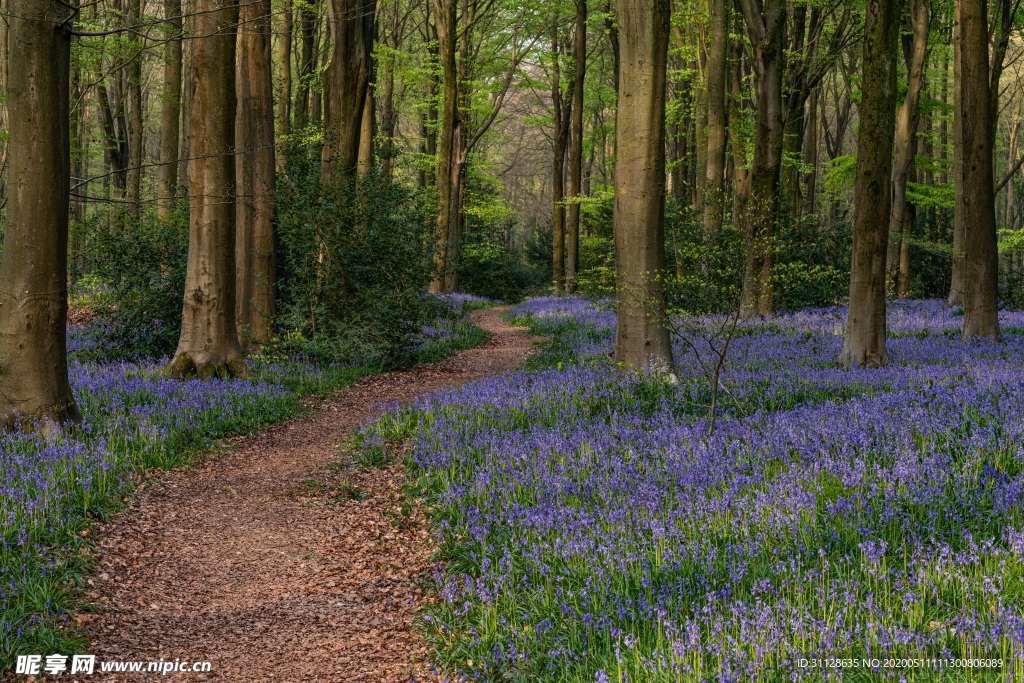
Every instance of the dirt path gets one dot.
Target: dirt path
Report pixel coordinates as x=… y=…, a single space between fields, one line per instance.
x=257 y=561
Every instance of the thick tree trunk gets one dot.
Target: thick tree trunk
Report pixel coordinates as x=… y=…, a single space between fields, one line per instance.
x=352 y=30
x=284 y=76
x=208 y=346
x=366 y=143
x=717 y=66
x=448 y=146
x=906 y=130
x=255 y=258
x=641 y=335
x=572 y=253
x=766 y=30
x=170 y=112
x=976 y=201
x=33 y=271
x=865 y=327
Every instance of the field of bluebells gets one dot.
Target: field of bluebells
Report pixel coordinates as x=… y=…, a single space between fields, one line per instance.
x=136 y=419
x=593 y=529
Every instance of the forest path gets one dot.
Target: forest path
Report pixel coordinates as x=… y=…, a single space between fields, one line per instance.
x=256 y=561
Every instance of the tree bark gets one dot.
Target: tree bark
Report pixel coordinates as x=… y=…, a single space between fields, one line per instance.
x=765 y=23
x=307 y=30
x=717 y=66
x=208 y=345
x=915 y=50
x=641 y=335
x=864 y=344
x=976 y=201
x=448 y=146
x=572 y=252
x=33 y=271
x=352 y=29
x=562 y=118
x=956 y=287
x=170 y=112
x=255 y=258
x=135 y=132
x=284 y=76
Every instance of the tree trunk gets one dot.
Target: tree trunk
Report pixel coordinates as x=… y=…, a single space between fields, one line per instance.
x=448 y=145
x=572 y=254
x=135 y=132
x=956 y=287
x=765 y=28
x=366 y=146
x=641 y=335
x=717 y=67
x=352 y=30
x=810 y=154
x=170 y=112
x=865 y=327
x=284 y=76
x=562 y=115
x=33 y=271
x=255 y=259
x=976 y=201
x=915 y=50
x=208 y=346
x=307 y=30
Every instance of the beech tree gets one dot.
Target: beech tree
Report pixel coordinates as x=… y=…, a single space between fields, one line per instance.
x=641 y=335
x=208 y=345
x=255 y=158
x=170 y=111
x=349 y=73
x=864 y=344
x=765 y=24
x=33 y=269
x=976 y=198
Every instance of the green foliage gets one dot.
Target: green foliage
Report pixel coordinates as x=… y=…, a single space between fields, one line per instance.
x=352 y=266
x=137 y=283
x=490 y=270
x=596 y=276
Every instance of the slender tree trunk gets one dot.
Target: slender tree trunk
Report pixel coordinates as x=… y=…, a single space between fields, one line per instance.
x=448 y=143
x=975 y=195
x=352 y=30
x=33 y=271
x=208 y=345
x=307 y=31
x=560 y=138
x=170 y=112
x=255 y=258
x=865 y=327
x=906 y=130
x=717 y=66
x=956 y=288
x=368 y=126
x=284 y=76
x=572 y=263
x=135 y=132
x=641 y=335
x=810 y=153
